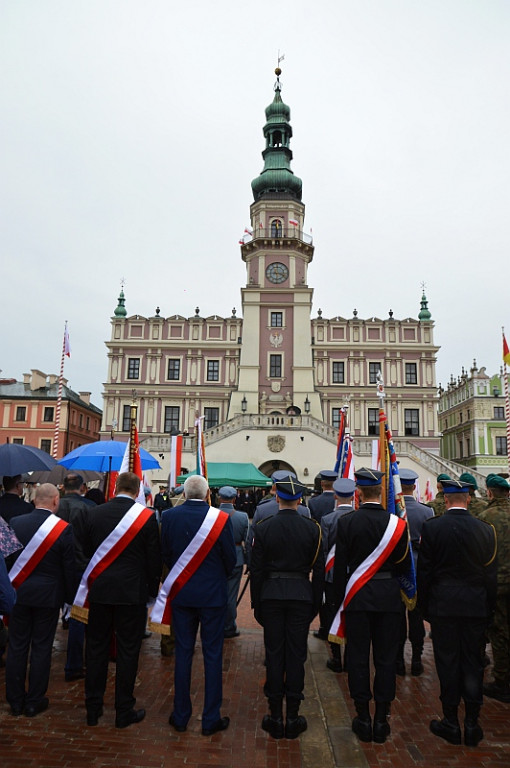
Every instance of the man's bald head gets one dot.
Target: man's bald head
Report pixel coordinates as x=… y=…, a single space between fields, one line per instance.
x=47 y=497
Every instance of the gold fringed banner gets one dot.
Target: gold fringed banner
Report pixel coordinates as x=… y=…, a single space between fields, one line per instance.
x=336 y=639
x=161 y=629
x=80 y=614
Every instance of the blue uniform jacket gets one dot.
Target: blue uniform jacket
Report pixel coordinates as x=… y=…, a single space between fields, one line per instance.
x=208 y=585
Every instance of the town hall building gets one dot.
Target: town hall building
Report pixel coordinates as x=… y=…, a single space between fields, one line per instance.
x=270 y=384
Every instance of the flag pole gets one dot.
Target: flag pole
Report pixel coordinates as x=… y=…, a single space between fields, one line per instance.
x=382 y=437
x=59 y=396
x=132 y=433
x=506 y=355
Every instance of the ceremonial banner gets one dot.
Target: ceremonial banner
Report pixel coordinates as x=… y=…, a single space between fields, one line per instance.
x=201 y=463
x=175 y=460
x=187 y=564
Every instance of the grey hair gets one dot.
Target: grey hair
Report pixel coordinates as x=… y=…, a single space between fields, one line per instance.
x=196 y=487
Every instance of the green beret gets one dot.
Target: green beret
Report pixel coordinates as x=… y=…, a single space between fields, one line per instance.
x=495 y=481
x=467 y=478
x=443 y=476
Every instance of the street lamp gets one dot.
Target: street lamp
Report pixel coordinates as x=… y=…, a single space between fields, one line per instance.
x=307 y=405
x=244 y=404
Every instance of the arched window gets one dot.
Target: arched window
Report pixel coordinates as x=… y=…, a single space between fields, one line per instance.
x=276 y=228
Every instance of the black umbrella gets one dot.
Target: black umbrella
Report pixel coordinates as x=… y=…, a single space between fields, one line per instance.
x=58 y=474
x=16 y=459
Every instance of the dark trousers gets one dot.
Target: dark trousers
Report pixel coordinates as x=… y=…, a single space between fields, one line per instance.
x=286 y=626
x=31 y=631
x=233 y=582
x=456 y=642
x=416 y=632
x=128 y=622
x=329 y=615
x=185 y=622
x=75 y=642
x=379 y=631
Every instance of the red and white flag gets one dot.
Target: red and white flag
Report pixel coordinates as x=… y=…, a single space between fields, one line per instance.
x=294 y=222
x=428 y=492
x=133 y=446
x=248 y=231
x=175 y=460
x=67 y=345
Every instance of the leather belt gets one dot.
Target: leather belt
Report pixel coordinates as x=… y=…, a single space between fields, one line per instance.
x=287 y=575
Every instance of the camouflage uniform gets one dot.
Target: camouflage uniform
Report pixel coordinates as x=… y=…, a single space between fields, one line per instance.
x=438 y=504
x=498 y=514
x=477 y=506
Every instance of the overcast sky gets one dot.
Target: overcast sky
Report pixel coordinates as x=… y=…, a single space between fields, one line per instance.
x=130 y=131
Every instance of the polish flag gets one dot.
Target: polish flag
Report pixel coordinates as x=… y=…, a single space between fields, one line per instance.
x=294 y=222
x=175 y=460
x=67 y=345
x=248 y=231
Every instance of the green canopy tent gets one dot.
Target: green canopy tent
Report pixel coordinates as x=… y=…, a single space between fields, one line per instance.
x=229 y=473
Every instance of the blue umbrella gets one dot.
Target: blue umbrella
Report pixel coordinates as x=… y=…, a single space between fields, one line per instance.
x=104 y=456
x=16 y=459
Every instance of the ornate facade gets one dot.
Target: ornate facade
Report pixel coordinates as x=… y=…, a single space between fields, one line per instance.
x=472 y=421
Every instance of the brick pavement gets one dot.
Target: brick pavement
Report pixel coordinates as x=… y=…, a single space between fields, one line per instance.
x=59 y=737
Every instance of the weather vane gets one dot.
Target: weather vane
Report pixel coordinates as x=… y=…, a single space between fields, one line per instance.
x=423 y=286
x=122 y=282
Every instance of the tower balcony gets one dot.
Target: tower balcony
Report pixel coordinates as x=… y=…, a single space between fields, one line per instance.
x=277 y=237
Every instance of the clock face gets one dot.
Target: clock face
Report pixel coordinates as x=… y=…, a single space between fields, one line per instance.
x=277 y=272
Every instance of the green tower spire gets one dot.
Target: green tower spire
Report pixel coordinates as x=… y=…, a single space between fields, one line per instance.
x=120 y=310
x=424 y=314
x=277 y=179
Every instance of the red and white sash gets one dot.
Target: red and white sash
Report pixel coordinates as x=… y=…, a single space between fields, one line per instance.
x=330 y=560
x=187 y=564
x=107 y=552
x=365 y=571
x=42 y=540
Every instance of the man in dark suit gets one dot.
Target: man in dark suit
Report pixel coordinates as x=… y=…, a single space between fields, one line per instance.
x=74 y=509
x=11 y=503
x=118 y=602
x=202 y=600
x=287 y=547
x=457 y=587
x=324 y=503
x=372 y=616
x=344 y=489
x=416 y=515
x=34 y=618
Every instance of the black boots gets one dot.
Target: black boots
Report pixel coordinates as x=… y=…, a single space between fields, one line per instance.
x=362 y=723
x=448 y=728
x=273 y=723
x=381 y=729
x=294 y=723
x=473 y=733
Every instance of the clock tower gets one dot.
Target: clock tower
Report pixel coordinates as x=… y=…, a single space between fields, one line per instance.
x=276 y=365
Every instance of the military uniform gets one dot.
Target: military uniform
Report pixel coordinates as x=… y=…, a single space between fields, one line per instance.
x=287 y=547
x=412 y=621
x=240 y=524
x=498 y=514
x=457 y=593
x=438 y=504
x=477 y=506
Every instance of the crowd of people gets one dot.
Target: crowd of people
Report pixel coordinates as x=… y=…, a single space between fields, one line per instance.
x=113 y=566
